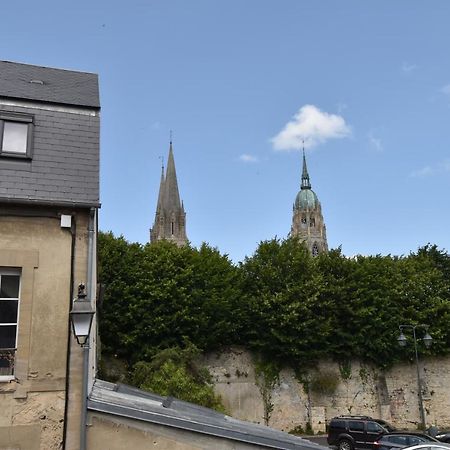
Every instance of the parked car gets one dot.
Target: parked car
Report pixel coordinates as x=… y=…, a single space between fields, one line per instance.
x=430 y=446
x=401 y=439
x=350 y=432
x=443 y=436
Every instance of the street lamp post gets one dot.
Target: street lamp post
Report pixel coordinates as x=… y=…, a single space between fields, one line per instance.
x=81 y=317
x=427 y=340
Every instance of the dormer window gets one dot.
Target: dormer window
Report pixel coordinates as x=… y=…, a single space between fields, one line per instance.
x=15 y=135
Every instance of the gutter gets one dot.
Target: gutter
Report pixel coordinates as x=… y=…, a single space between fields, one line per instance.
x=73 y=231
x=85 y=378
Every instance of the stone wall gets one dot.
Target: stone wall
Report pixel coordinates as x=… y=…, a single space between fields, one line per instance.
x=32 y=404
x=334 y=390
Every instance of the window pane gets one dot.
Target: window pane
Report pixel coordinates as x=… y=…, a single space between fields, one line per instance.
x=356 y=426
x=8 y=311
x=15 y=137
x=399 y=440
x=8 y=336
x=9 y=287
x=373 y=427
x=7 y=362
x=338 y=424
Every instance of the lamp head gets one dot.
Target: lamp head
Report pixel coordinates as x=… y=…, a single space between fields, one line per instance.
x=81 y=317
x=427 y=340
x=401 y=339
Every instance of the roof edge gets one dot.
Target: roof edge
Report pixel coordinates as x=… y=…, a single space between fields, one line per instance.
x=46 y=67
x=46 y=102
x=39 y=202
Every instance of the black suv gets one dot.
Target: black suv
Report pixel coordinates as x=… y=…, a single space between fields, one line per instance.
x=350 y=432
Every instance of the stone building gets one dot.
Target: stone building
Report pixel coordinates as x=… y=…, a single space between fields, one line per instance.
x=307 y=219
x=49 y=198
x=170 y=217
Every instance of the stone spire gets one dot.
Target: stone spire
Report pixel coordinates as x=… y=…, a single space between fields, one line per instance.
x=161 y=189
x=307 y=219
x=306 y=184
x=170 y=217
x=172 y=196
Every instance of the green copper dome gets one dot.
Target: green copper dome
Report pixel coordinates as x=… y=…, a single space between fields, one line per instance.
x=306 y=199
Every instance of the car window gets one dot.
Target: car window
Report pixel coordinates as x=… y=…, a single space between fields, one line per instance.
x=373 y=427
x=414 y=440
x=338 y=424
x=386 y=425
x=402 y=440
x=353 y=425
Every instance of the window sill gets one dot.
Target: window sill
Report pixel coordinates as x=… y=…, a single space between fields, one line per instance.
x=13 y=155
x=6 y=378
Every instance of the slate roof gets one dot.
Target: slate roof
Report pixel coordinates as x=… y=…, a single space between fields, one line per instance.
x=24 y=81
x=126 y=401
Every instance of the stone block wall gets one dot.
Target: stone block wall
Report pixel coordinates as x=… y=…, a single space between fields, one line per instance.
x=356 y=389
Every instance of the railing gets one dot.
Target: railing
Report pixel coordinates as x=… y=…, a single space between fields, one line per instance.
x=7 y=357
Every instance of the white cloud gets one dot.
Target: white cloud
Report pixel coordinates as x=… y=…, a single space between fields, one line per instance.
x=408 y=68
x=375 y=142
x=245 y=157
x=424 y=172
x=442 y=167
x=311 y=125
x=446 y=89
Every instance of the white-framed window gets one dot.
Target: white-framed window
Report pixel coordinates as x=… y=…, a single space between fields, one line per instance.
x=16 y=135
x=9 y=320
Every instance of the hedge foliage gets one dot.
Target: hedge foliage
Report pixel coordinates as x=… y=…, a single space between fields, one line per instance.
x=280 y=302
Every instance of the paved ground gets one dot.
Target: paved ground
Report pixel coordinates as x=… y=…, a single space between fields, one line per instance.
x=321 y=439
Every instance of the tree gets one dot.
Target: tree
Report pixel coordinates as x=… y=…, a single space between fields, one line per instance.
x=281 y=285
x=157 y=295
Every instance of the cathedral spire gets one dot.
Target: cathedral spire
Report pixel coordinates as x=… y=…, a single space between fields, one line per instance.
x=172 y=196
x=161 y=187
x=306 y=184
x=307 y=220
x=170 y=217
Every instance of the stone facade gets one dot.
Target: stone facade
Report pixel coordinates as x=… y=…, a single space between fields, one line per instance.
x=170 y=217
x=35 y=402
x=307 y=218
x=128 y=433
x=357 y=389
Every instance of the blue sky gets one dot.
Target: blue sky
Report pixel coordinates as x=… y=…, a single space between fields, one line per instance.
x=367 y=84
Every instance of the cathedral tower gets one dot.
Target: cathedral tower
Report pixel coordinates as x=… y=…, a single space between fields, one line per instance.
x=307 y=220
x=170 y=217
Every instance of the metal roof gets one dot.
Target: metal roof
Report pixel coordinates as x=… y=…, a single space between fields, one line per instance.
x=24 y=81
x=126 y=401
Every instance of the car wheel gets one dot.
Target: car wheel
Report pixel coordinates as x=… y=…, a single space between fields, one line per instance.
x=345 y=444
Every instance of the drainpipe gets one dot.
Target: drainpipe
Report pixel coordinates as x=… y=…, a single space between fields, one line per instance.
x=73 y=231
x=84 y=391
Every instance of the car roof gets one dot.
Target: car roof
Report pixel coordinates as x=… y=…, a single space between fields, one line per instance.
x=353 y=417
x=409 y=433
x=431 y=445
